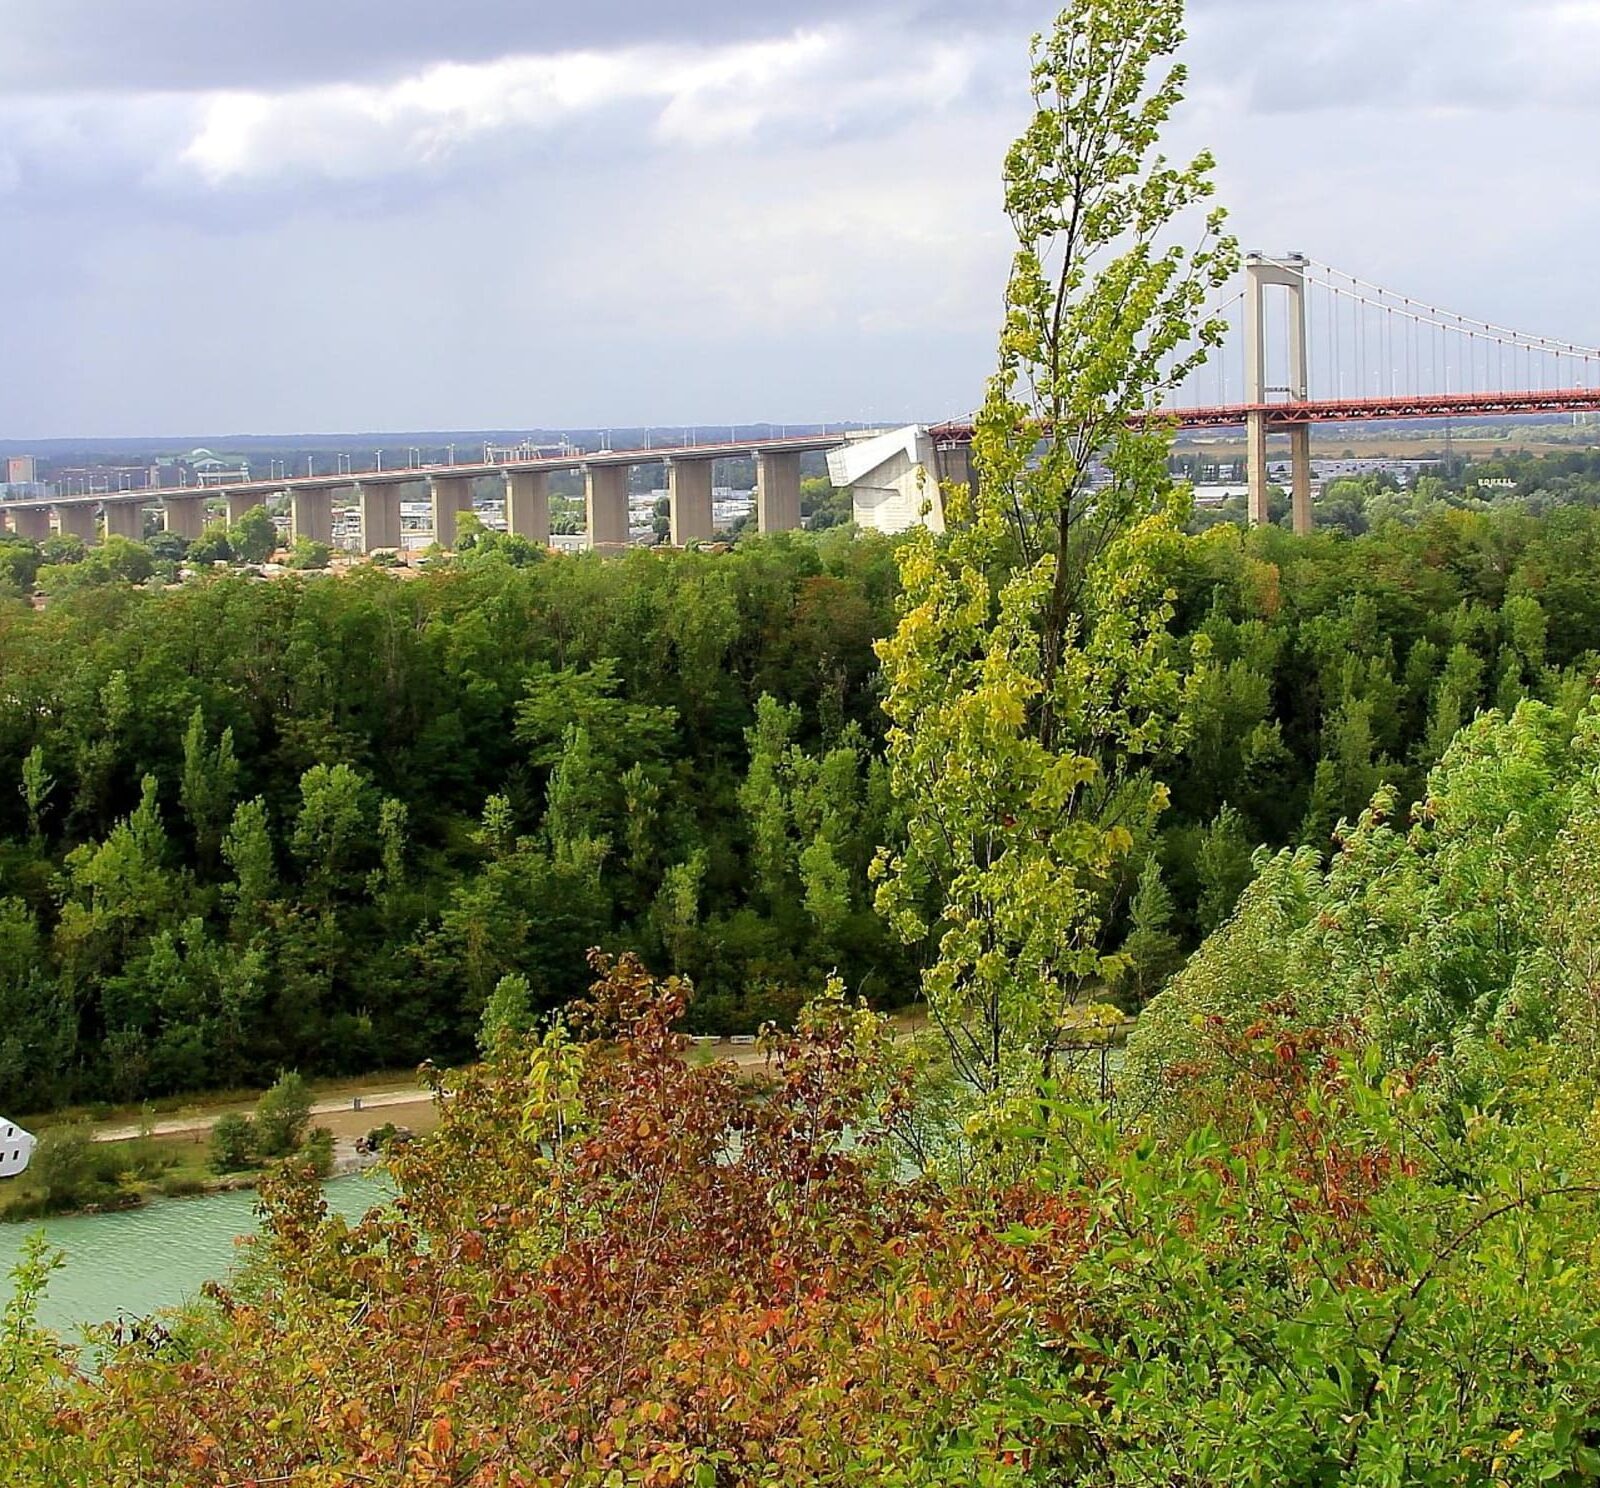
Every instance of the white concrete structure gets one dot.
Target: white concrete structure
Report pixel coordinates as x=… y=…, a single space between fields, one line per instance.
x=893 y=479
x=16 y=1149
x=1288 y=274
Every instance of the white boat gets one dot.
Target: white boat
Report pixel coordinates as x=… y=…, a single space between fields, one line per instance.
x=16 y=1149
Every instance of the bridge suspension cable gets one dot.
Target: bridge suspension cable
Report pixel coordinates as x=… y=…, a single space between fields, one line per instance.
x=1365 y=341
x=1401 y=343
x=1450 y=317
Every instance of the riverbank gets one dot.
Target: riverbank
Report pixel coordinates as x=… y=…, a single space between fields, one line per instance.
x=149 y=1169
x=168 y=1154
x=113 y=1166
x=136 y=1263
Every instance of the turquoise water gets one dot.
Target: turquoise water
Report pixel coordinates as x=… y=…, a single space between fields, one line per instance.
x=134 y=1263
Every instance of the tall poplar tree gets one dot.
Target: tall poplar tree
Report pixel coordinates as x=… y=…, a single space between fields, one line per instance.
x=1032 y=681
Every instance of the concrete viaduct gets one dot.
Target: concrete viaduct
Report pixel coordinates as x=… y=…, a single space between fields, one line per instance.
x=377 y=495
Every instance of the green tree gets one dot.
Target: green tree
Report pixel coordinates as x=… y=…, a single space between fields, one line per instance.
x=37 y=785
x=210 y=779
x=62 y=548
x=38 y=1023
x=282 y=1115
x=1224 y=868
x=233 y=1142
x=507 y=1014
x=19 y=564
x=1032 y=679
x=254 y=537
x=248 y=850
x=1151 y=950
x=333 y=832
x=129 y=560
x=212 y=546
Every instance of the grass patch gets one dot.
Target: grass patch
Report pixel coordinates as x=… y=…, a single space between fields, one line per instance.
x=71 y=1173
x=203 y=1107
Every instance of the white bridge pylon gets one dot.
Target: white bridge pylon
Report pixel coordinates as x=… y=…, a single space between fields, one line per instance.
x=1288 y=273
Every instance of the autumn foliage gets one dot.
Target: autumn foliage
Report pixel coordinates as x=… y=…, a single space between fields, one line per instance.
x=613 y=1266
x=609 y=1261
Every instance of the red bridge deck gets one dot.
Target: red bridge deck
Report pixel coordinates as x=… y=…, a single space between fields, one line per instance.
x=1360 y=410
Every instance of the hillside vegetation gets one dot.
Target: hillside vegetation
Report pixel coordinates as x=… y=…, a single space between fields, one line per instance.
x=1336 y=1218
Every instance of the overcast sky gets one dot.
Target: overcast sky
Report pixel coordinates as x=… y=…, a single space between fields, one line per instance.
x=327 y=215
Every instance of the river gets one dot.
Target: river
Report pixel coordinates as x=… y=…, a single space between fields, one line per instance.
x=136 y=1261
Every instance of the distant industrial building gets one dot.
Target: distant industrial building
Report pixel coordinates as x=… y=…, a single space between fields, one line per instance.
x=20 y=470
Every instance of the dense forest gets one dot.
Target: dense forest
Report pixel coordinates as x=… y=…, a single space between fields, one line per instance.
x=312 y=822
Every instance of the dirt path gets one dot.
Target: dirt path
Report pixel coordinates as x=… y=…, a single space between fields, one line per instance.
x=354 y=1115
x=347 y=1105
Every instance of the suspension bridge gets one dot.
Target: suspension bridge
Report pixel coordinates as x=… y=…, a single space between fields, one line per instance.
x=1306 y=344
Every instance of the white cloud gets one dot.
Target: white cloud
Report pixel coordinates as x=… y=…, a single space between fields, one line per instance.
x=815 y=82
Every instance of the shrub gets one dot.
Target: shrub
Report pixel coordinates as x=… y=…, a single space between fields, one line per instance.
x=282 y=1115
x=63 y=1167
x=308 y=554
x=233 y=1143
x=318 y=1149
x=182 y=1186
x=212 y=546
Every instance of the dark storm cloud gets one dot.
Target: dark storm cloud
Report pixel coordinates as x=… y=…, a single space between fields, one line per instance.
x=191 y=45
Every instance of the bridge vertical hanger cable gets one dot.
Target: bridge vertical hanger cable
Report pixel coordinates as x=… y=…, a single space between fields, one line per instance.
x=1338 y=348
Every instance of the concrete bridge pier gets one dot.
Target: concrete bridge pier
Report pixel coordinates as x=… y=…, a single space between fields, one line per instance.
x=78 y=521
x=1300 y=492
x=380 y=517
x=607 y=502
x=239 y=502
x=528 y=505
x=451 y=495
x=1288 y=274
x=1256 y=464
x=186 y=516
x=777 y=490
x=31 y=522
x=955 y=464
x=125 y=519
x=311 y=515
x=689 y=499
